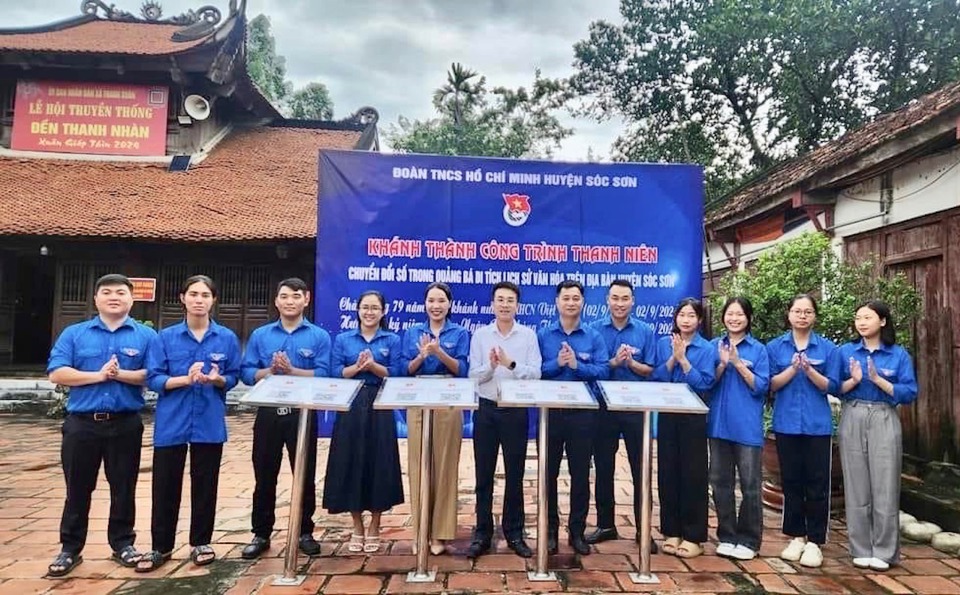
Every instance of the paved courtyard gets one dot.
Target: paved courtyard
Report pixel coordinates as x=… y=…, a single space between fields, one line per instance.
x=31 y=498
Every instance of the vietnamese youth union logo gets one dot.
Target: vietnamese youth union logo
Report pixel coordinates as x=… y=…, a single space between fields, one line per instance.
x=517 y=209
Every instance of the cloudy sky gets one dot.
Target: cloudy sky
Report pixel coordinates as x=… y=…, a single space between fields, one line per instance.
x=391 y=54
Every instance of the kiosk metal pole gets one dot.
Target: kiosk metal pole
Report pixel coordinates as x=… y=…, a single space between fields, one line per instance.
x=290 y=577
x=644 y=577
x=421 y=575
x=541 y=573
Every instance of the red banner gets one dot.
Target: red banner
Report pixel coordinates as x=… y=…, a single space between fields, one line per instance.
x=93 y=118
x=144 y=289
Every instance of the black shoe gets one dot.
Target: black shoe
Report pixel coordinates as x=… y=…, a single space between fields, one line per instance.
x=257 y=546
x=477 y=549
x=520 y=548
x=309 y=545
x=579 y=545
x=653 y=545
x=601 y=535
x=552 y=547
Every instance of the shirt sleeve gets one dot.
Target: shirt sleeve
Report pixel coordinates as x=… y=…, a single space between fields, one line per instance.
x=663 y=351
x=530 y=369
x=548 y=367
x=775 y=367
x=832 y=370
x=321 y=361
x=703 y=369
x=231 y=371
x=599 y=366
x=251 y=360
x=461 y=352
x=338 y=357
x=479 y=361
x=648 y=351
x=398 y=364
x=761 y=373
x=158 y=369
x=409 y=348
x=905 y=388
x=61 y=356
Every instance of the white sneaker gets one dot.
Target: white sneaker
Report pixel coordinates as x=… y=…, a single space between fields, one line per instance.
x=742 y=552
x=794 y=549
x=878 y=564
x=725 y=549
x=862 y=562
x=812 y=557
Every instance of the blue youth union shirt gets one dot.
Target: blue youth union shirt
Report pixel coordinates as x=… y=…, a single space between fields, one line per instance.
x=799 y=407
x=703 y=364
x=193 y=413
x=86 y=346
x=385 y=348
x=454 y=340
x=587 y=344
x=637 y=335
x=893 y=363
x=736 y=410
x=307 y=347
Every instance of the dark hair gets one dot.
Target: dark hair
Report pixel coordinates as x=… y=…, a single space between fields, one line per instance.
x=446 y=291
x=888 y=332
x=794 y=300
x=199 y=279
x=621 y=283
x=113 y=279
x=693 y=303
x=747 y=310
x=383 y=304
x=506 y=285
x=569 y=284
x=294 y=283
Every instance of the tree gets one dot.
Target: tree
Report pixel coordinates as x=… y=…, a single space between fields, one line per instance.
x=738 y=85
x=474 y=121
x=312 y=102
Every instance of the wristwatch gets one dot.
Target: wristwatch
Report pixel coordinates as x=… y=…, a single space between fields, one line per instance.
x=513 y=365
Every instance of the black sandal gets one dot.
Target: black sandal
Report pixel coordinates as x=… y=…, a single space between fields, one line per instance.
x=153 y=559
x=126 y=557
x=197 y=553
x=63 y=564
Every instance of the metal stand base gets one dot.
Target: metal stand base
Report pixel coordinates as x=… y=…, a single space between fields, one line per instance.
x=427 y=577
x=644 y=579
x=534 y=576
x=296 y=581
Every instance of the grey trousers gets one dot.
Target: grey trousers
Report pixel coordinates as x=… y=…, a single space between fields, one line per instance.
x=871 y=452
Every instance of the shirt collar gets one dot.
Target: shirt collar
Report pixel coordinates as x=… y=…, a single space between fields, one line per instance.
x=127 y=322
x=555 y=326
x=608 y=321
x=278 y=323
x=214 y=328
x=861 y=345
x=513 y=329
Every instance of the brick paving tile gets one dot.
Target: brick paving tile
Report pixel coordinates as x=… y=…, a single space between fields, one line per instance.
x=702 y=583
x=245 y=585
x=611 y=562
x=86 y=587
x=930 y=585
x=890 y=584
x=919 y=550
x=838 y=567
x=310 y=586
x=501 y=563
x=266 y=566
x=816 y=585
x=710 y=564
x=781 y=566
x=354 y=585
x=862 y=585
x=335 y=565
x=473 y=582
x=384 y=564
x=620 y=546
x=517 y=582
x=772 y=583
x=452 y=563
x=927 y=567
x=665 y=585
x=398 y=584
x=25 y=586
x=662 y=563
x=14 y=524
x=756 y=566
x=93 y=569
x=28 y=569
x=590 y=581
x=953 y=563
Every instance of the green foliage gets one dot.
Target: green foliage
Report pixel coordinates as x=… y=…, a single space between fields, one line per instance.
x=474 y=121
x=312 y=102
x=738 y=85
x=808 y=264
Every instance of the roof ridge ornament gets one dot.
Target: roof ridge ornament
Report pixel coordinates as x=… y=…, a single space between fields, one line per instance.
x=152 y=12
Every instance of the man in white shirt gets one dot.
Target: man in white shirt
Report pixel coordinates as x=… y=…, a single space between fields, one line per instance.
x=502 y=349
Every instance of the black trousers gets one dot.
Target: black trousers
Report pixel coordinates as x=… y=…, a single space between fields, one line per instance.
x=494 y=427
x=606 y=441
x=87 y=443
x=805 y=475
x=271 y=432
x=168 y=465
x=682 y=475
x=570 y=430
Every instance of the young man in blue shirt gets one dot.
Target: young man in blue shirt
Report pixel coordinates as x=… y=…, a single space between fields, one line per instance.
x=291 y=345
x=102 y=361
x=571 y=352
x=633 y=349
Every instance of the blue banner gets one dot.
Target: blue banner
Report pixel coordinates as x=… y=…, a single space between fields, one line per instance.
x=396 y=223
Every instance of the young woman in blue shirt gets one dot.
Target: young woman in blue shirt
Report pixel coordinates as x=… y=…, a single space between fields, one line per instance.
x=878 y=376
x=804 y=368
x=191 y=366
x=363 y=468
x=685 y=356
x=735 y=429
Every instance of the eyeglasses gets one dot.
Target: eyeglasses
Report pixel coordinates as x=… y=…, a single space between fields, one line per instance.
x=807 y=313
x=370 y=308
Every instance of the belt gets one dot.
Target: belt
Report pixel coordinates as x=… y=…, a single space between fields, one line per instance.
x=869 y=404
x=105 y=415
x=281 y=411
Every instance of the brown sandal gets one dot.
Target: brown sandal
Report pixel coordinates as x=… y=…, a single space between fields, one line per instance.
x=670 y=545
x=688 y=549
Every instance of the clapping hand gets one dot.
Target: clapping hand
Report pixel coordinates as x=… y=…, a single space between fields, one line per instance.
x=281 y=363
x=195 y=373
x=567 y=356
x=494 y=358
x=679 y=348
x=364 y=360
x=856 y=370
x=724 y=353
x=211 y=376
x=624 y=354
x=111 y=368
x=872 y=372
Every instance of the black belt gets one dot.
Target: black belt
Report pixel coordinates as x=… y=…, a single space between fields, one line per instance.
x=105 y=415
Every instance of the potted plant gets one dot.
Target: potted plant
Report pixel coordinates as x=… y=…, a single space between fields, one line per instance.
x=808 y=264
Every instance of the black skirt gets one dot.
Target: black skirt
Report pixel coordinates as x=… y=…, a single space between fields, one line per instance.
x=363 y=468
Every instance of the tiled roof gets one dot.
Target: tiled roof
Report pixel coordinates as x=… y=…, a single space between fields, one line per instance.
x=101 y=37
x=257 y=184
x=885 y=128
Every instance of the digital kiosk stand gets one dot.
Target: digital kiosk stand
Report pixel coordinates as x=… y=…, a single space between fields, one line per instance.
x=426 y=393
x=307 y=394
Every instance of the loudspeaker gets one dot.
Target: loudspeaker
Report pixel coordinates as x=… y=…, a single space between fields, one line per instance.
x=197 y=107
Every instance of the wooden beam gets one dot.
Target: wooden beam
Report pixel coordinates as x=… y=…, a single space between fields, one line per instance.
x=813 y=214
x=730 y=257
